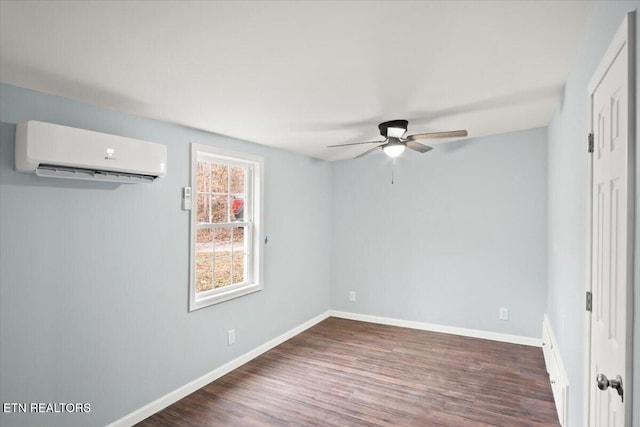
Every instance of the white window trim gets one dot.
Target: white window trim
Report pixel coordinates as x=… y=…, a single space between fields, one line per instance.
x=256 y=193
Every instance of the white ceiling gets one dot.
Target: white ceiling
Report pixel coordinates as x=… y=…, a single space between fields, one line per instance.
x=301 y=75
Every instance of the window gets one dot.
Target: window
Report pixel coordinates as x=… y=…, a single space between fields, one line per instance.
x=225 y=225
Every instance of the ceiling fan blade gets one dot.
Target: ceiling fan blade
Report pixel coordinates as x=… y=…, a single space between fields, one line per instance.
x=435 y=135
x=355 y=143
x=368 y=152
x=418 y=147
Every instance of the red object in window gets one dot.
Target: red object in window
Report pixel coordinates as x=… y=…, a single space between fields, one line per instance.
x=237 y=206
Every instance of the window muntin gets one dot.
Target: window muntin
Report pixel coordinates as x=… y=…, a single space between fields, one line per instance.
x=225 y=223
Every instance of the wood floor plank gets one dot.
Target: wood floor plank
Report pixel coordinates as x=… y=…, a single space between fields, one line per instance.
x=348 y=373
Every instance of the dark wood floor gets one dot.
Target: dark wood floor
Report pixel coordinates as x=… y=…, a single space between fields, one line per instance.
x=347 y=373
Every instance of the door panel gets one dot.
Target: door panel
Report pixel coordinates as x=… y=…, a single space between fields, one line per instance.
x=610 y=234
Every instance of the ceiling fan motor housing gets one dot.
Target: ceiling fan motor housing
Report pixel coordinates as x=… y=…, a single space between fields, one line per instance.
x=399 y=124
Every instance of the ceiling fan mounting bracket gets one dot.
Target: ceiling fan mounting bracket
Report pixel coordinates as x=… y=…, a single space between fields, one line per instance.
x=384 y=126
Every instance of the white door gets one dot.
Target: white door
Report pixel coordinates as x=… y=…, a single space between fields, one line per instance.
x=611 y=239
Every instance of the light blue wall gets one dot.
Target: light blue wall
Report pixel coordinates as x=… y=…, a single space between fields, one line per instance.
x=93 y=282
x=568 y=201
x=461 y=233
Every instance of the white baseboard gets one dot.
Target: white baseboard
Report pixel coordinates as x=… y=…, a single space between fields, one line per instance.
x=172 y=397
x=493 y=336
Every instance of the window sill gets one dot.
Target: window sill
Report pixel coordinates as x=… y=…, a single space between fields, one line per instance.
x=219 y=297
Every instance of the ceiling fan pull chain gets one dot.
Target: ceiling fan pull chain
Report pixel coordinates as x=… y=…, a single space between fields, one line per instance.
x=393 y=163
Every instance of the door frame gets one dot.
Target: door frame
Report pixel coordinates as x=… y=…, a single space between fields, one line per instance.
x=625 y=35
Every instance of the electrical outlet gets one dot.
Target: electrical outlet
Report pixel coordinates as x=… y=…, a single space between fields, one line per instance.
x=352 y=296
x=503 y=314
x=231 y=336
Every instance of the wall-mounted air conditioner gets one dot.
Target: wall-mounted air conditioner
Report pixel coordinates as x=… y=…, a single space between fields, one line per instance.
x=58 y=151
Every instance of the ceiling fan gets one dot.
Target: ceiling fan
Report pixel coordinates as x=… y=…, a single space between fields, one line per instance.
x=395 y=143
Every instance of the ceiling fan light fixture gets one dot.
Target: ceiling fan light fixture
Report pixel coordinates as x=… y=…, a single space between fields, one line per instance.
x=393 y=150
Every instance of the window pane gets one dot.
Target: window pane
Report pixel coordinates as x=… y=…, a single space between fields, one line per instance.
x=204 y=260
x=222 y=271
x=204 y=272
x=238 y=239
x=202 y=210
x=222 y=242
x=237 y=180
x=220 y=178
x=239 y=254
x=204 y=176
x=239 y=267
x=222 y=255
x=220 y=209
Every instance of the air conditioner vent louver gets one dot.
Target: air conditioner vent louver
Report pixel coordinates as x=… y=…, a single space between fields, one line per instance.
x=51 y=171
